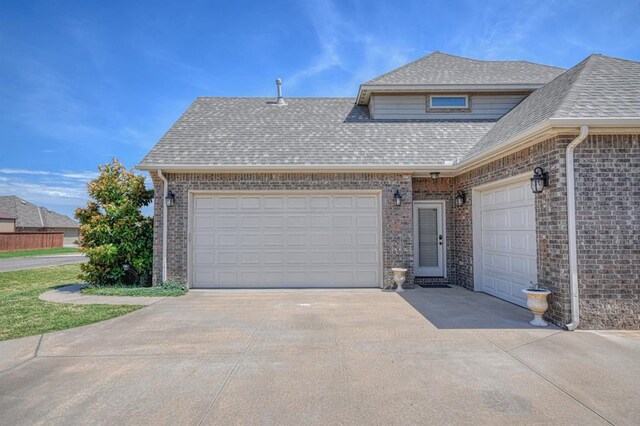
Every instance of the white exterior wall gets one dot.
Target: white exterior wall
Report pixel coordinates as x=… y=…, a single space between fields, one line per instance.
x=403 y=107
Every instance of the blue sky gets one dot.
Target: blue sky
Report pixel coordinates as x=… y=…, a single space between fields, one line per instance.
x=82 y=82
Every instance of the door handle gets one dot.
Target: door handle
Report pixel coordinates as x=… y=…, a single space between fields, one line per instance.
x=440 y=239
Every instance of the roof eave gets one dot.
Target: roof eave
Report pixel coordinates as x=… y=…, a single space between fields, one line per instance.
x=547 y=128
x=305 y=168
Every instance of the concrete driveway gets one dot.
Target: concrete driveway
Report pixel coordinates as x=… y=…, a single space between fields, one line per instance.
x=32 y=262
x=434 y=356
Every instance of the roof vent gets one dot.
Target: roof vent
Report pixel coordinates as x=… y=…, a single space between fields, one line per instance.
x=280 y=100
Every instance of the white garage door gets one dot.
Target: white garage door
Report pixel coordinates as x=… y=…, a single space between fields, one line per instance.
x=286 y=240
x=508 y=230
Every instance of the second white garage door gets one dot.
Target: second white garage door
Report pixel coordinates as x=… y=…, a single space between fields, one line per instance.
x=508 y=251
x=285 y=240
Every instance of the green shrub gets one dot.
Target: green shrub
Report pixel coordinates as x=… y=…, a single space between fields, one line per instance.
x=113 y=230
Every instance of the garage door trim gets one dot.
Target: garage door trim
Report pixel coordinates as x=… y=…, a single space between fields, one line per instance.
x=476 y=194
x=191 y=194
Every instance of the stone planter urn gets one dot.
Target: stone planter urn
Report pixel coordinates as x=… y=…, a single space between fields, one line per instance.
x=399 y=277
x=537 y=303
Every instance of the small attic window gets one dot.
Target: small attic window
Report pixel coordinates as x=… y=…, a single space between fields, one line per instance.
x=448 y=102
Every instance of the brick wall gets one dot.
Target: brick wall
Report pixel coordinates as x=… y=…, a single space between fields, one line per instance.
x=397 y=235
x=607 y=173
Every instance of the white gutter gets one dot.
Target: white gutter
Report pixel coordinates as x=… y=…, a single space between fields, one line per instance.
x=571 y=223
x=304 y=168
x=165 y=191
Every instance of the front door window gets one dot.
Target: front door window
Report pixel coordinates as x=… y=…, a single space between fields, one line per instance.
x=428 y=239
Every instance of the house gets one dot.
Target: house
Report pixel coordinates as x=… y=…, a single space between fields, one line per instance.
x=484 y=174
x=7 y=222
x=31 y=218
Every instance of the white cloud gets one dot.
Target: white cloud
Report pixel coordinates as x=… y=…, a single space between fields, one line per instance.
x=65 y=174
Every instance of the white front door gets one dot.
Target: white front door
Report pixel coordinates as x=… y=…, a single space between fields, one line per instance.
x=506 y=237
x=429 y=239
x=285 y=239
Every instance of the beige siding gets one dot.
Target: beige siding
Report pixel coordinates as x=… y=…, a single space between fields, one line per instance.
x=7 y=225
x=403 y=107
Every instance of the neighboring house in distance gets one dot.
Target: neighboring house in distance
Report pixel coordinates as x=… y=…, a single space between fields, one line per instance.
x=7 y=222
x=431 y=167
x=31 y=218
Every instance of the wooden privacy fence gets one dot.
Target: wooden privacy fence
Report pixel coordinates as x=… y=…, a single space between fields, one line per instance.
x=11 y=241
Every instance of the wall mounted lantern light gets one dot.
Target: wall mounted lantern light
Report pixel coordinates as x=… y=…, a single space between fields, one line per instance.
x=397 y=197
x=539 y=180
x=435 y=175
x=170 y=199
x=461 y=198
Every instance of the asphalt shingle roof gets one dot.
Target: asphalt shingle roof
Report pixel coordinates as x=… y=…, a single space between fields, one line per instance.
x=597 y=87
x=241 y=132
x=443 y=69
x=306 y=131
x=29 y=215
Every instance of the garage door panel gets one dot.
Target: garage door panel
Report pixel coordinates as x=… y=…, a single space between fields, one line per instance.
x=508 y=241
x=343 y=202
x=273 y=240
x=322 y=257
x=273 y=258
x=343 y=257
x=319 y=240
x=298 y=221
x=205 y=203
x=341 y=221
x=367 y=221
x=226 y=222
x=319 y=222
x=320 y=203
x=369 y=202
x=343 y=240
x=367 y=239
x=249 y=203
x=518 y=242
x=272 y=222
x=296 y=203
x=274 y=203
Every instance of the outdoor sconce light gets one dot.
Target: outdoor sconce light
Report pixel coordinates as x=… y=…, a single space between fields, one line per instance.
x=435 y=175
x=397 y=198
x=170 y=199
x=539 y=180
x=461 y=198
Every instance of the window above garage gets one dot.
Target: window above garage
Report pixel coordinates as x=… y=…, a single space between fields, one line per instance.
x=448 y=102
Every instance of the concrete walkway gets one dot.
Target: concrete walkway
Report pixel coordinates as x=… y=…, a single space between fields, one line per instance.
x=32 y=262
x=432 y=356
x=71 y=294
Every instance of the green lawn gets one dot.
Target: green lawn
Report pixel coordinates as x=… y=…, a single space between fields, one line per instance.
x=23 y=314
x=41 y=252
x=134 y=291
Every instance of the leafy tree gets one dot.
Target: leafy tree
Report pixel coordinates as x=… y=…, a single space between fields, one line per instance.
x=113 y=231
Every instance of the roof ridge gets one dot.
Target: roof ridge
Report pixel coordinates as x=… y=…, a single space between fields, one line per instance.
x=502 y=61
x=586 y=63
x=403 y=66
